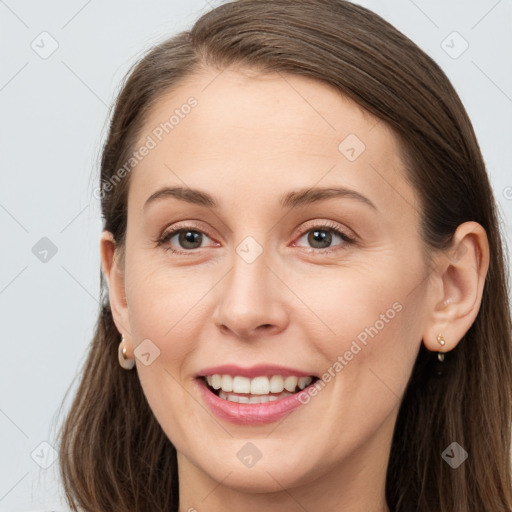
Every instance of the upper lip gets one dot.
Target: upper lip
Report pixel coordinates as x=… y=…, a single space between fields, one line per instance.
x=253 y=371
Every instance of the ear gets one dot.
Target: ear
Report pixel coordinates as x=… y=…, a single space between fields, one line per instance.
x=458 y=283
x=114 y=274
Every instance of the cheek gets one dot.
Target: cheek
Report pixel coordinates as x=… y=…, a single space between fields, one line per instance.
x=164 y=301
x=369 y=364
x=368 y=327
x=342 y=304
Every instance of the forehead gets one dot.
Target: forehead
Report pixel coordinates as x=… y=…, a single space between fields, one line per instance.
x=266 y=133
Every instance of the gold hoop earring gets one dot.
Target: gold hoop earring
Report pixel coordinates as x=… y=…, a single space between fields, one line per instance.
x=125 y=362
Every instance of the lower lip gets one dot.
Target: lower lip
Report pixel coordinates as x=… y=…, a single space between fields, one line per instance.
x=251 y=414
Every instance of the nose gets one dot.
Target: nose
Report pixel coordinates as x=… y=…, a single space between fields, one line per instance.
x=251 y=300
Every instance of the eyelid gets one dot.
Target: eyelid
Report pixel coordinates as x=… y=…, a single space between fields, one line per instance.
x=326 y=225
x=171 y=232
x=349 y=238
x=184 y=225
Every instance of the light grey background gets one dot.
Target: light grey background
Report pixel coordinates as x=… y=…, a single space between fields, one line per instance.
x=54 y=111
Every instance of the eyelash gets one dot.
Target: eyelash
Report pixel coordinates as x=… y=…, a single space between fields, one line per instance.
x=324 y=226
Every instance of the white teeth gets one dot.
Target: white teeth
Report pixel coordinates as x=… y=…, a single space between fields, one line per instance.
x=240 y=384
x=304 y=381
x=290 y=383
x=259 y=386
x=253 y=399
x=216 y=381
x=276 y=384
x=227 y=383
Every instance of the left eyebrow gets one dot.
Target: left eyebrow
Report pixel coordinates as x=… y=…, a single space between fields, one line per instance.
x=307 y=196
x=293 y=199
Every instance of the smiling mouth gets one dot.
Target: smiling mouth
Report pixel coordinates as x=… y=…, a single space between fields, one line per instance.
x=258 y=390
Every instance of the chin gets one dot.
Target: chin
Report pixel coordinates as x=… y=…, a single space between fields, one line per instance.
x=267 y=475
x=264 y=480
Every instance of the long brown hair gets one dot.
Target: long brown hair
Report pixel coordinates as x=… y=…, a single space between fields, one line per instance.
x=113 y=454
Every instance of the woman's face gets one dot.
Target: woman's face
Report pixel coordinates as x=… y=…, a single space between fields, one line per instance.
x=277 y=279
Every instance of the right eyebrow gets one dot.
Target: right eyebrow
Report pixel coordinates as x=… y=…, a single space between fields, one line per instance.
x=187 y=194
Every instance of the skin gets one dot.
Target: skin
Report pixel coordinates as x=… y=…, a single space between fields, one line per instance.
x=251 y=139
